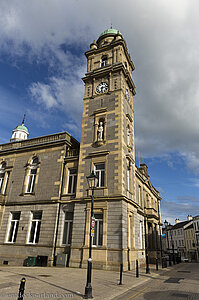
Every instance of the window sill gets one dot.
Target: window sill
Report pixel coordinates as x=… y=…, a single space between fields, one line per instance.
x=69 y=194
x=9 y=243
x=26 y=194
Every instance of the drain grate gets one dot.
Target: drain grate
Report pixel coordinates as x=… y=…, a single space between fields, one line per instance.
x=173 y=280
x=182 y=271
x=179 y=295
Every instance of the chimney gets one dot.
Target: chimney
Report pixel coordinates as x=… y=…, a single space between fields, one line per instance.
x=189 y=218
x=177 y=221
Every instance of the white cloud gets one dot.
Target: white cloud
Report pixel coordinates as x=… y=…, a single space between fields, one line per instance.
x=43 y=94
x=162 y=39
x=180 y=209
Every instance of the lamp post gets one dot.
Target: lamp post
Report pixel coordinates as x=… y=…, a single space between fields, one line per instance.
x=92 y=183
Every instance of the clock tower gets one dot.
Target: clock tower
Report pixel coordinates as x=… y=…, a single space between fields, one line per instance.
x=107 y=148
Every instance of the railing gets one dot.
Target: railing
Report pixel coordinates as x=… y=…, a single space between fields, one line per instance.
x=35 y=141
x=72 y=152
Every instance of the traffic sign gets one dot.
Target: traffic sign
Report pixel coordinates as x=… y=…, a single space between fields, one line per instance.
x=92 y=223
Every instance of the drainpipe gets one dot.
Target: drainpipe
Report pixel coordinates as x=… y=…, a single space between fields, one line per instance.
x=59 y=209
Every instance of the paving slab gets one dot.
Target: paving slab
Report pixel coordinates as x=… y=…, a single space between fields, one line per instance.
x=63 y=283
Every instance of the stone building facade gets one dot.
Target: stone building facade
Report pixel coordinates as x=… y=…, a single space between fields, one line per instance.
x=45 y=200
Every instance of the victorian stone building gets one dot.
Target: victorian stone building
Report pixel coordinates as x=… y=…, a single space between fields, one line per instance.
x=45 y=201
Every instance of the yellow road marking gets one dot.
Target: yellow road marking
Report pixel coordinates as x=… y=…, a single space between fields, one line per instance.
x=137 y=294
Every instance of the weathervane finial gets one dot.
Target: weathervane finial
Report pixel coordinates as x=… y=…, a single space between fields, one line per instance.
x=23 y=119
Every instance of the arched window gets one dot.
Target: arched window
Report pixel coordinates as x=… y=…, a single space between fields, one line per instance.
x=104 y=61
x=32 y=175
x=2 y=174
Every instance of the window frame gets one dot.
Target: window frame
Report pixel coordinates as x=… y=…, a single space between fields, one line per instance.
x=38 y=222
x=100 y=173
x=73 y=181
x=98 y=235
x=15 y=221
x=104 y=61
x=68 y=236
x=32 y=174
x=2 y=174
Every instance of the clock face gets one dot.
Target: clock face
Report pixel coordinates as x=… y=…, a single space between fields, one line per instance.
x=102 y=87
x=127 y=94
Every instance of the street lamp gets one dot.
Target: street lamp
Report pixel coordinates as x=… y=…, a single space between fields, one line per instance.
x=92 y=183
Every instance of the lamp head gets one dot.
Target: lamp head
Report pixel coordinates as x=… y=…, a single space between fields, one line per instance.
x=92 y=180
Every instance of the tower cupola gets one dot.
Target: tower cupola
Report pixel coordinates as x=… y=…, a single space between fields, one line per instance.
x=20 y=133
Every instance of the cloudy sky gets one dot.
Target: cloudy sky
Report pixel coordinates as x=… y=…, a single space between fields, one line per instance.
x=42 y=45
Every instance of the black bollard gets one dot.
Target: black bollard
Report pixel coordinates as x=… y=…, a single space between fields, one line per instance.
x=21 y=289
x=137 y=268
x=121 y=270
x=156 y=262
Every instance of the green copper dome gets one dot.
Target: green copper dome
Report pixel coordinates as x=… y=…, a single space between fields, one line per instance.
x=110 y=30
x=22 y=127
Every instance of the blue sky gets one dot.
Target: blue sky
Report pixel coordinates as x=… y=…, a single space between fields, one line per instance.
x=42 y=45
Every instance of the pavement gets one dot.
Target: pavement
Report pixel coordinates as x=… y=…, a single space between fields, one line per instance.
x=64 y=283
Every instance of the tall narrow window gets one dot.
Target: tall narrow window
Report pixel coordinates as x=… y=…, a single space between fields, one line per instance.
x=139 y=194
x=141 y=235
x=32 y=175
x=129 y=239
x=35 y=227
x=13 y=227
x=98 y=236
x=104 y=61
x=128 y=178
x=72 y=181
x=67 y=233
x=2 y=174
x=6 y=183
x=100 y=173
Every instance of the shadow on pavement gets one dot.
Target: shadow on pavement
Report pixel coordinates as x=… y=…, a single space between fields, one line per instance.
x=49 y=283
x=173 y=294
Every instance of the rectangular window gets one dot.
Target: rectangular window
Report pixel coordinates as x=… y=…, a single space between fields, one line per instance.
x=13 y=228
x=31 y=180
x=129 y=239
x=139 y=194
x=128 y=179
x=100 y=173
x=72 y=181
x=35 y=227
x=98 y=236
x=67 y=232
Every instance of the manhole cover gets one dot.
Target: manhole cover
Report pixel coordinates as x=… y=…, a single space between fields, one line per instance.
x=45 y=275
x=173 y=280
